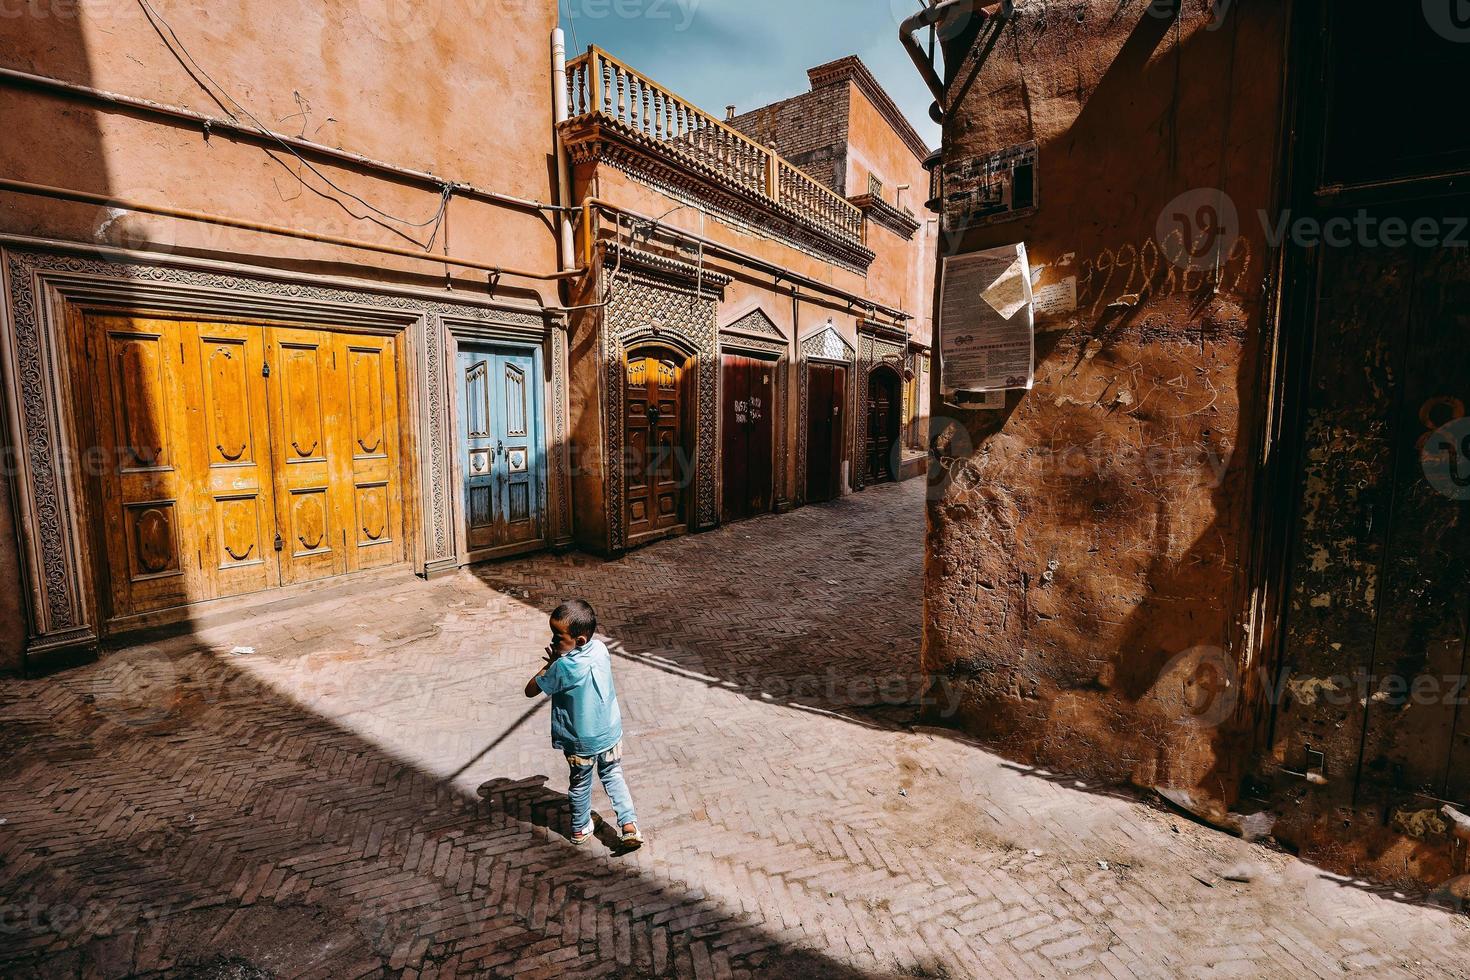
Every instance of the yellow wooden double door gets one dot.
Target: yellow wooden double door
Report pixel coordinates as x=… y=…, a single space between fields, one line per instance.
x=237 y=457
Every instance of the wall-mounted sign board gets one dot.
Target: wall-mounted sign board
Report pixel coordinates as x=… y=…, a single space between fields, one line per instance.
x=986 y=323
x=991 y=188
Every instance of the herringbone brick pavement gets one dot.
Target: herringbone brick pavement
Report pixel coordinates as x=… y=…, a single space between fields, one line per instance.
x=368 y=793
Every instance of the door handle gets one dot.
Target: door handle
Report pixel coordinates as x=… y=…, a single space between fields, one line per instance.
x=500 y=448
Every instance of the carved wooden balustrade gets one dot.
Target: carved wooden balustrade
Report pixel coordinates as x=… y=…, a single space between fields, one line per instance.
x=599 y=84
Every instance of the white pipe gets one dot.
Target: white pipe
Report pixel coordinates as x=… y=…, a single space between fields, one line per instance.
x=563 y=177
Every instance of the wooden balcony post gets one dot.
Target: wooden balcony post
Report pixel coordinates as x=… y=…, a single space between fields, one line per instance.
x=594 y=66
x=773 y=175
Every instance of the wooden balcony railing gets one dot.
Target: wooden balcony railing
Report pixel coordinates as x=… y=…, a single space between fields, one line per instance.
x=599 y=84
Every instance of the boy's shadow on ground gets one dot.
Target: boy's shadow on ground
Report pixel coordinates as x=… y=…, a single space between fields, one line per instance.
x=529 y=800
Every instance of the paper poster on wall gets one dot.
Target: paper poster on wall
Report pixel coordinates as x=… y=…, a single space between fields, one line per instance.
x=986 y=321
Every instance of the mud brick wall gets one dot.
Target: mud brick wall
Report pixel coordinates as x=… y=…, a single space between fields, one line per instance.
x=1088 y=544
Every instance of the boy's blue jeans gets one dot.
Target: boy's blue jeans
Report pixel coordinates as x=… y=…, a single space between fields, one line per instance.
x=609 y=768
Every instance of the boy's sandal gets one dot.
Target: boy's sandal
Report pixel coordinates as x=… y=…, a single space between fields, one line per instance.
x=583 y=836
x=631 y=840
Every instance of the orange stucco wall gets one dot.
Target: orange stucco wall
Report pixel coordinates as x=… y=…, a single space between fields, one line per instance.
x=875 y=148
x=460 y=88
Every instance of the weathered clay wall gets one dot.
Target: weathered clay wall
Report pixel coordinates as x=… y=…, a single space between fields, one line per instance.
x=407 y=84
x=1087 y=544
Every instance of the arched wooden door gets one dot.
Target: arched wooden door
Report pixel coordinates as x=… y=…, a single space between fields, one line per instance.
x=657 y=467
x=883 y=424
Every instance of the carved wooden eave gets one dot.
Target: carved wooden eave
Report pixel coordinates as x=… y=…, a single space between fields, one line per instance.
x=877 y=210
x=884 y=331
x=595 y=138
x=664 y=270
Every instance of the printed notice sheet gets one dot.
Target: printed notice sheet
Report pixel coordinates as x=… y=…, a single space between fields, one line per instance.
x=986 y=324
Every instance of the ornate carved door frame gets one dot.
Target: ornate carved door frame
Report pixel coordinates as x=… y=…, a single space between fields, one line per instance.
x=877 y=346
x=551 y=339
x=41 y=281
x=657 y=300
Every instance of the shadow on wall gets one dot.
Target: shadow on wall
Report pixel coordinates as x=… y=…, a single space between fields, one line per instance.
x=1066 y=669
x=60 y=149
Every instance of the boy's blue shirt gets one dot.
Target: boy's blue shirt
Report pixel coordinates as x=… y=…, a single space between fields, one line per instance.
x=585 y=720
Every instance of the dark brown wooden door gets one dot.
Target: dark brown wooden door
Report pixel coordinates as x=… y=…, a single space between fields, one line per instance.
x=656 y=466
x=883 y=425
x=748 y=388
x=826 y=397
x=1376 y=620
x=240 y=457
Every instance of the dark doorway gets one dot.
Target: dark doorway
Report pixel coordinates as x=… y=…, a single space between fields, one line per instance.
x=748 y=388
x=826 y=393
x=883 y=424
x=1375 y=633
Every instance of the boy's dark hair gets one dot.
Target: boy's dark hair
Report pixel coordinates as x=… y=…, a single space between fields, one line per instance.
x=579 y=617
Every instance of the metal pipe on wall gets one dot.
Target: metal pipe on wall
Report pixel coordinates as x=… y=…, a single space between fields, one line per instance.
x=559 y=116
x=102 y=200
x=745 y=258
x=211 y=124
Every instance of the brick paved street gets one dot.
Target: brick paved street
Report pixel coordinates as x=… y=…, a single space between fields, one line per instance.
x=369 y=792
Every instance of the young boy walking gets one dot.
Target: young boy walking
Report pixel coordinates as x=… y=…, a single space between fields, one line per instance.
x=585 y=722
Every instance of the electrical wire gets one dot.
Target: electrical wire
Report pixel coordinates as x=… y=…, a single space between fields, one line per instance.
x=158 y=19
x=572 y=23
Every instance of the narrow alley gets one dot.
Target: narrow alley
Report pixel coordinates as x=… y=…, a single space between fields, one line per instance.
x=353 y=785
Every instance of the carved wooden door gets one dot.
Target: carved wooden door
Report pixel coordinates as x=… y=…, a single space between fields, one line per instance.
x=151 y=472
x=237 y=496
x=306 y=411
x=237 y=458
x=656 y=466
x=367 y=482
x=500 y=446
x=747 y=388
x=826 y=395
x=334 y=436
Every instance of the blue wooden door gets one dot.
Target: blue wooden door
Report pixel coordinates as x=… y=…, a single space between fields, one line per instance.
x=500 y=445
